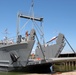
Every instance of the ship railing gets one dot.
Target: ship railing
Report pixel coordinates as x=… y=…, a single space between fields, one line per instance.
x=20 y=39
x=7 y=41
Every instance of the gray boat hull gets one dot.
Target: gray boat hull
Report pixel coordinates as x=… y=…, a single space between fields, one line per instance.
x=20 y=51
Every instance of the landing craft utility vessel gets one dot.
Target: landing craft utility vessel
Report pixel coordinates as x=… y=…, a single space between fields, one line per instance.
x=14 y=56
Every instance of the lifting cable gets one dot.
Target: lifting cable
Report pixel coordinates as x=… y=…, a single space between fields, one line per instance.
x=40 y=48
x=70 y=45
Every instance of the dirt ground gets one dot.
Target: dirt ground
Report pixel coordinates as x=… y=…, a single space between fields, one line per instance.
x=58 y=73
x=66 y=73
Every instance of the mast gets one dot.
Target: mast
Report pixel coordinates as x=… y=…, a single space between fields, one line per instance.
x=31 y=17
x=17 y=25
x=34 y=19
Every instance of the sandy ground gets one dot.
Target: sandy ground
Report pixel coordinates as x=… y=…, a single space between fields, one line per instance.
x=66 y=73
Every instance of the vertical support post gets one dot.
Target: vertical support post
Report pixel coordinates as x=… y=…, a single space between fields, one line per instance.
x=75 y=64
x=72 y=65
x=69 y=65
x=66 y=66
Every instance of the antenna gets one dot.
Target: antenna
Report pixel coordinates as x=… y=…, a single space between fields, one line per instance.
x=6 y=33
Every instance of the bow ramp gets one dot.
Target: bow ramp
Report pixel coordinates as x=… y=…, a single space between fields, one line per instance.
x=53 y=50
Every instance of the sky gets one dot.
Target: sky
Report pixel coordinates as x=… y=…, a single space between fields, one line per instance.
x=59 y=17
